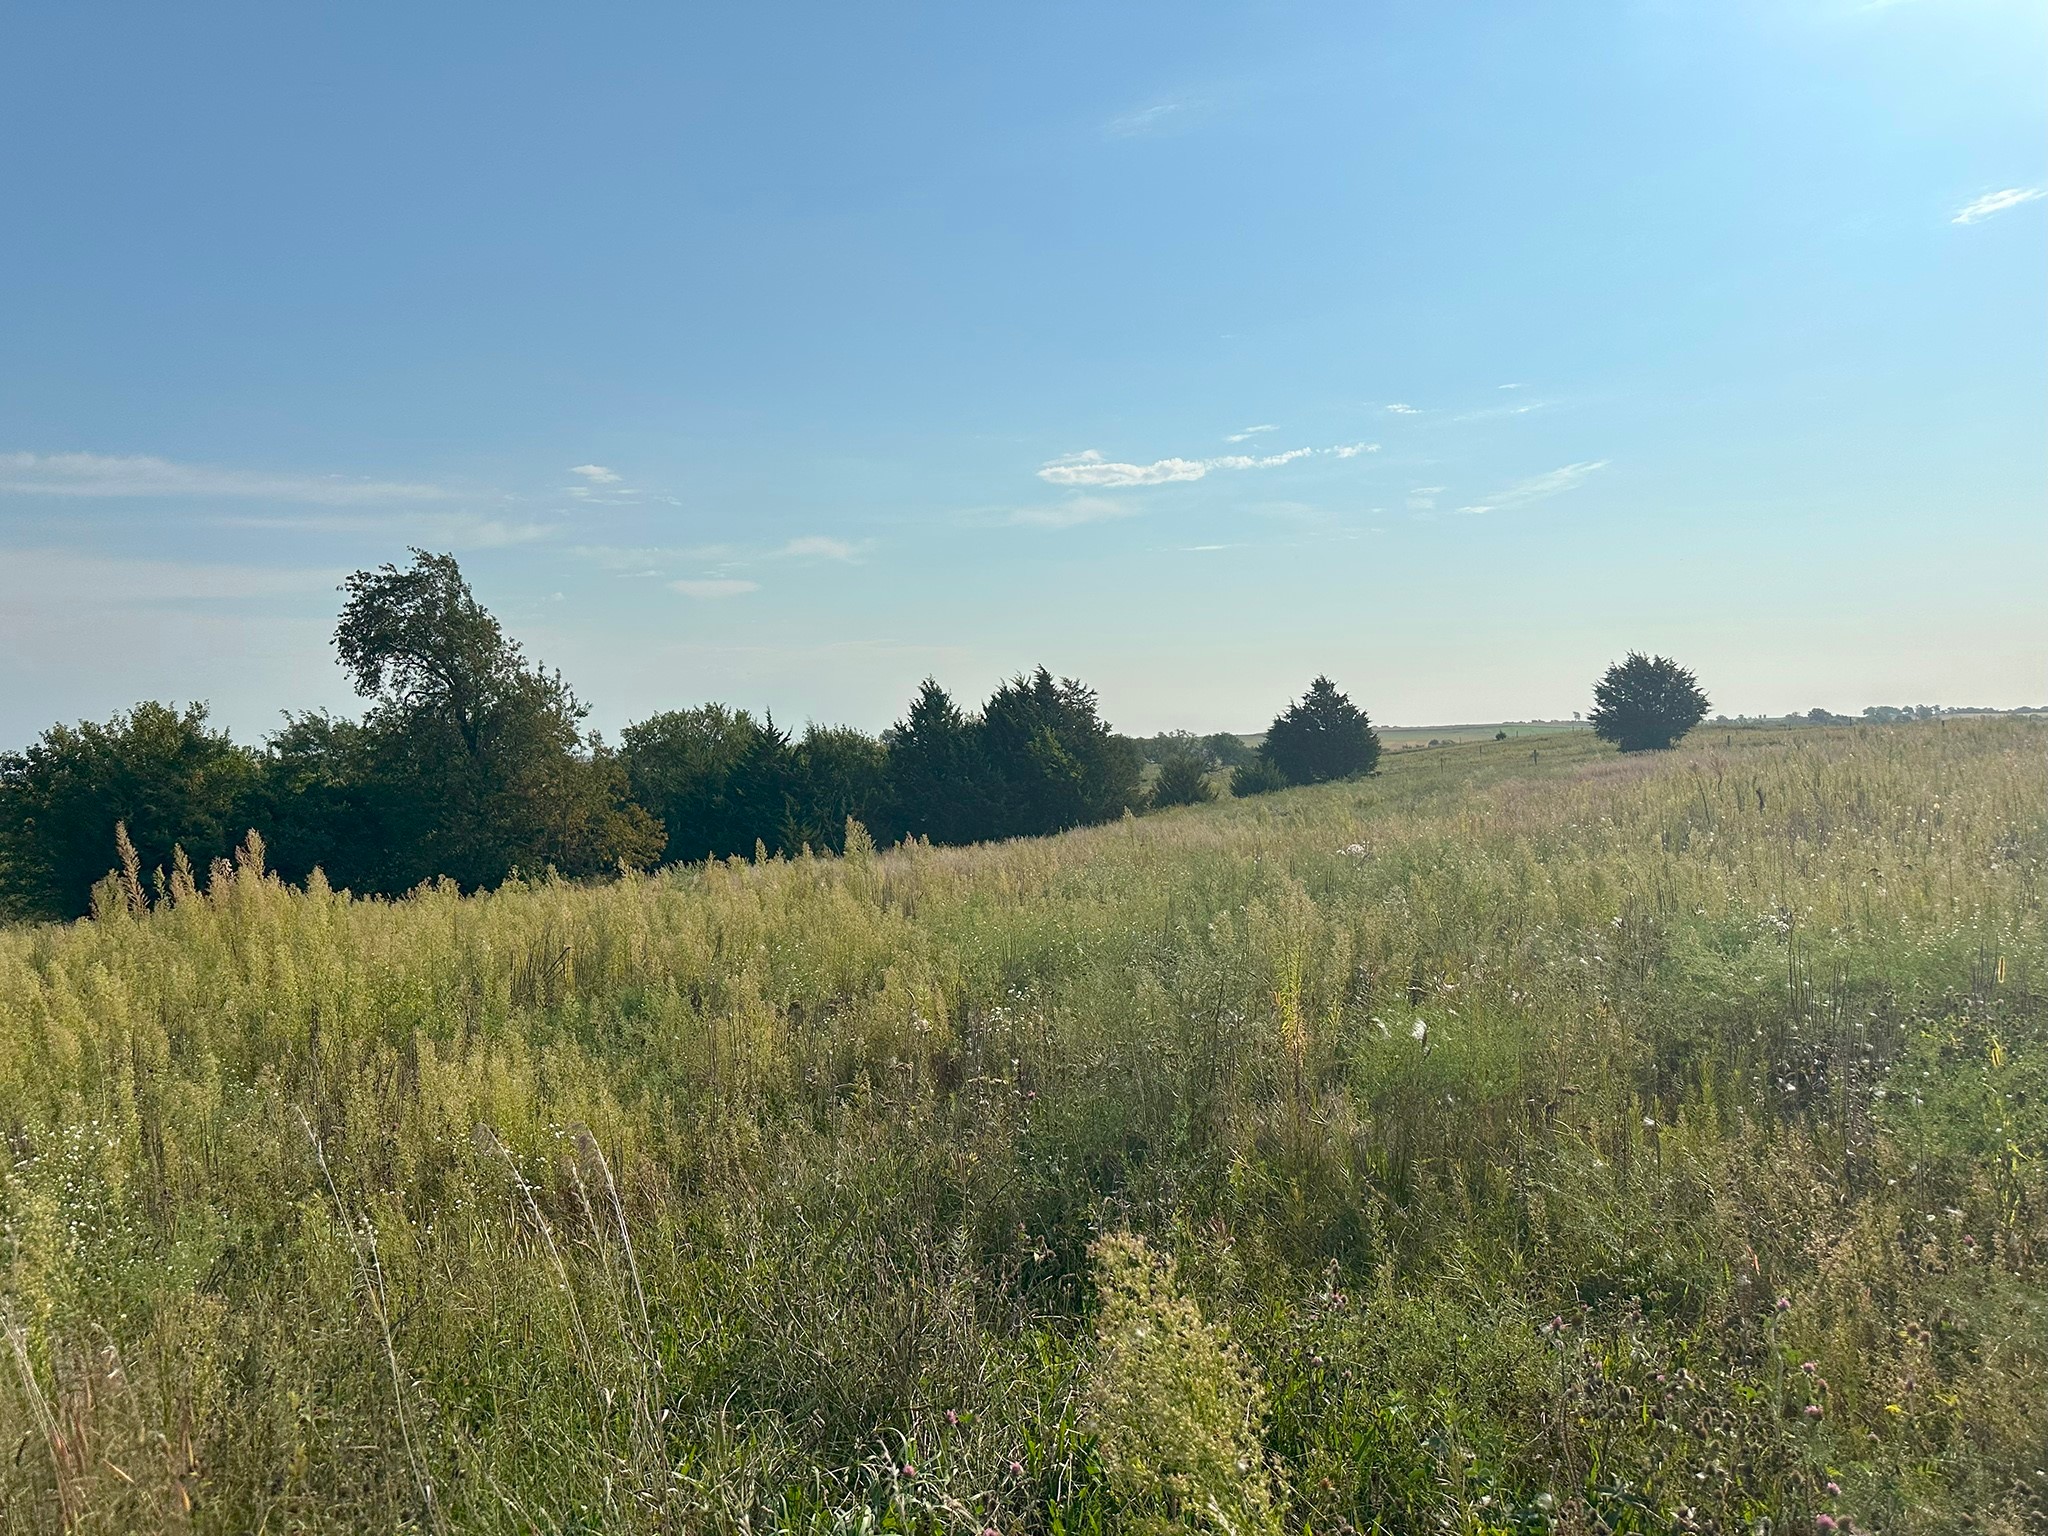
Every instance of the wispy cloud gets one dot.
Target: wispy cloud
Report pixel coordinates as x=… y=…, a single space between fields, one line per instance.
x=1238 y=437
x=453 y=530
x=1537 y=487
x=1997 y=202
x=110 y=475
x=650 y=560
x=1422 y=498
x=712 y=587
x=1145 y=120
x=1402 y=408
x=1090 y=469
x=605 y=486
x=1074 y=511
x=1494 y=412
x=817 y=546
x=72 y=577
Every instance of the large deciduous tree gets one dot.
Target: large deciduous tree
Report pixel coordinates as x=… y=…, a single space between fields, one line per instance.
x=841 y=776
x=718 y=778
x=1646 y=703
x=475 y=757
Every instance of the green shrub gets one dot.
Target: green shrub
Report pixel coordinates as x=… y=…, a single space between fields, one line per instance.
x=1183 y=780
x=1256 y=777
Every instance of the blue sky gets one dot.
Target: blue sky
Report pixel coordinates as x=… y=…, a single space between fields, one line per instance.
x=782 y=355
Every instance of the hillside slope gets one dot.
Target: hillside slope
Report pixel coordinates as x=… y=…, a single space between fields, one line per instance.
x=1577 y=1143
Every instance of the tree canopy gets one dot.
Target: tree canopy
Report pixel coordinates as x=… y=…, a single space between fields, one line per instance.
x=471 y=763
x=1051 y=761
x=477 y=757
x=936 y=783
x=167 y=776
x=1321 y=736
x=1183 y=774
x=1646 y=703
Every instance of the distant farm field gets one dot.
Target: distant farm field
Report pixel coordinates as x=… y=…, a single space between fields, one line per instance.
x=1505 y=1143
x=1401 y=737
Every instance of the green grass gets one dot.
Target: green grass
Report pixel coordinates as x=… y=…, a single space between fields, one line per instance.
x=1588 y=1144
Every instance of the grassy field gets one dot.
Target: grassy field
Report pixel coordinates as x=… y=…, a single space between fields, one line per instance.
x=1404 y=738
x=1585 y=1144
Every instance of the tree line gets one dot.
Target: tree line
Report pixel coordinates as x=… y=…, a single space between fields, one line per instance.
x=470 y=762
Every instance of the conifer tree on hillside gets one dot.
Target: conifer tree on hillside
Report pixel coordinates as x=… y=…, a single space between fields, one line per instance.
x=1321 y=736
x=1256 y=775
x=935 y=778
x=1182 y=779
x=1052 y=761
x=1646 y=703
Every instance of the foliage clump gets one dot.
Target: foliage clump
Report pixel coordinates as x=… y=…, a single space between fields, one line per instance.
x=1256 y=776
x=1320 y=737
x=1174 y=1405
x=166 y=774
x=1184 y=767
x=1646 y=703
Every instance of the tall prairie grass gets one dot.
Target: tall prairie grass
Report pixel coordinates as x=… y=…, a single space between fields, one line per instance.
x=1578 y=1144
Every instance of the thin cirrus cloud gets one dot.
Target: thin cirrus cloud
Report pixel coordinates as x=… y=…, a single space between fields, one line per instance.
x=818 y=546
x=124 y=475
x=1536 y=488
x=1249 y=432
x=1075 y=511
x=1090 y=470
x=712 y=587
x=1403 y=408
x=49 y=580
x=1150 y=119
x=456 y=530
x=1997 y=202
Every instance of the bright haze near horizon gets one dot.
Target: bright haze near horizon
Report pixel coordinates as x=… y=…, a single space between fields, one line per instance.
x=785 y=355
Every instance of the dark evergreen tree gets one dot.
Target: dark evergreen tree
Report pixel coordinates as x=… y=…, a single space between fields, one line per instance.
x=1183 y=776
x=937 y=783
x=1321 y=736
x=1052 y=763
x=1256 y=775
x=1646 y=703
x=163 y=773
x=840 y=773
